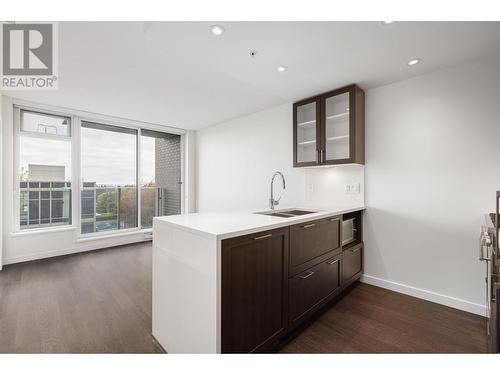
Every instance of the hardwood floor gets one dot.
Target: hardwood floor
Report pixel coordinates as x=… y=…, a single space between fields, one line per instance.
x=369 y=319
x=100 y=302
x=95 y=302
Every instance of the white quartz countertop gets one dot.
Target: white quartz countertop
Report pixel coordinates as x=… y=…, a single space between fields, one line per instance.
x=223 y=225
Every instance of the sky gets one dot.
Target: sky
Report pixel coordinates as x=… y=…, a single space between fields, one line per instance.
x=108 y=158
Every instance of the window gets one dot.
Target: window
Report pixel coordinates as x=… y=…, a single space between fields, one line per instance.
x=160 y=175
x=127 y=174
x=45 y=170
x=39 y=123
x=109 y=178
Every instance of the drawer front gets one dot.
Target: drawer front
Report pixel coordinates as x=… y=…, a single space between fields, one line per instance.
x=352 y=262
x=309 y=288
x=311 y=240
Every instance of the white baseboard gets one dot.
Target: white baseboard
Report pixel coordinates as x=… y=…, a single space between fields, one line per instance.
x=442 y=299
x=60 y=252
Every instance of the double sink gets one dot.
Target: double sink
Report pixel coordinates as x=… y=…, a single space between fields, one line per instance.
x=286 y=213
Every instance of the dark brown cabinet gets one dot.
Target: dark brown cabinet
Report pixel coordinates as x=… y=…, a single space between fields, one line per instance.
x=329 y=128
x=254 y=291
x=311 y=240
x=352 y=264
x=312 y=287
x=272 y=281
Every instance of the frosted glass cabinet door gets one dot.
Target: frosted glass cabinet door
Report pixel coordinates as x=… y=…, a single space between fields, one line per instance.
x=337 y=127
x=329 y=129
x=306 y=133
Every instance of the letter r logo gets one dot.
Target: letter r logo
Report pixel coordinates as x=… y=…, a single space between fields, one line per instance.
x=27 y=49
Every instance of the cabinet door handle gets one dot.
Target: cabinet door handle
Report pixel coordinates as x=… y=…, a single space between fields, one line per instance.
x=322 y=156
x=262 y=237
x=308 y=225
x=332 y=262
x=355 y=250
x=309 y=273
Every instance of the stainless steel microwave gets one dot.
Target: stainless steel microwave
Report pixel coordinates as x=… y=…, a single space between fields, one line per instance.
x=348 y=231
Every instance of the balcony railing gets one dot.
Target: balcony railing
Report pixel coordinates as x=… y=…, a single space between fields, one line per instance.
x=103 y=207
x=107 y=208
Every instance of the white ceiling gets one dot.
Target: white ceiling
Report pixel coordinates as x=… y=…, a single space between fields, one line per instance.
x=179 y=74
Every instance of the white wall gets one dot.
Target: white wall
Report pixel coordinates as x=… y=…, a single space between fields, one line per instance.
x=236 y=159
x=1 y=182
x=325 y=186
x=432 y=169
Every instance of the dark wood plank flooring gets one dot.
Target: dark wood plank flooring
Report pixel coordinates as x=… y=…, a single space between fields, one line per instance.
x=95 y=302
x=369 y=319
x=100 y=302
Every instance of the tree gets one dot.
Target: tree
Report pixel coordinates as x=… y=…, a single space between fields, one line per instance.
x=128 y=207
x=106 y=203
x=148 y=206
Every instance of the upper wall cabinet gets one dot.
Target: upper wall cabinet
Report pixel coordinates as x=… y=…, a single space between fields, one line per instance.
x=330 y=128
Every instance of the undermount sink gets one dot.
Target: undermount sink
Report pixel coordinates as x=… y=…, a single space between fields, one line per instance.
x=286 y=213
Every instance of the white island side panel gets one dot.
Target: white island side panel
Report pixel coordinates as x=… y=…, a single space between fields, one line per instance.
x=185 y=311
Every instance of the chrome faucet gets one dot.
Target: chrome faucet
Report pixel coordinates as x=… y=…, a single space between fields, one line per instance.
x=274 y=202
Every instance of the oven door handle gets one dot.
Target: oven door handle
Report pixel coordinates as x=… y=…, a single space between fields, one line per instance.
x=484 y=241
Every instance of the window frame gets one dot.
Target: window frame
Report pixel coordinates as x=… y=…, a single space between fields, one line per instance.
x=16 y=227
x=137 y=175
x=45 y=135
x=77 y=117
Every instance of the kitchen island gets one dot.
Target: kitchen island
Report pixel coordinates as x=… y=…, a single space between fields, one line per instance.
x=227 y=282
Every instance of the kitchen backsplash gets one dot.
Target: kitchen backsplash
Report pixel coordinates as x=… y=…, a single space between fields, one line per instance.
x=335 y=186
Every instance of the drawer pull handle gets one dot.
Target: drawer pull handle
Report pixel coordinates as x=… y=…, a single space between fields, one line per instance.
x=309 y=273
x=332 y=262
x=355 y=250
x=262 y=237
x=308 y=225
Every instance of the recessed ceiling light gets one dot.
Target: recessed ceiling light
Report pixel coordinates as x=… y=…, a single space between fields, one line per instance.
x=414 y=61
x=217 y=30
x=387 y=22
x=281 y=69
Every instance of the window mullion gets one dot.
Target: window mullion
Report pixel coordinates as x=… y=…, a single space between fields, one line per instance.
x=138 y=179
x=76 y=188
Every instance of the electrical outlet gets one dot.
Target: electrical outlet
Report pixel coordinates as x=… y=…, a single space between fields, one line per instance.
x=352 y=188
x=311 y=188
